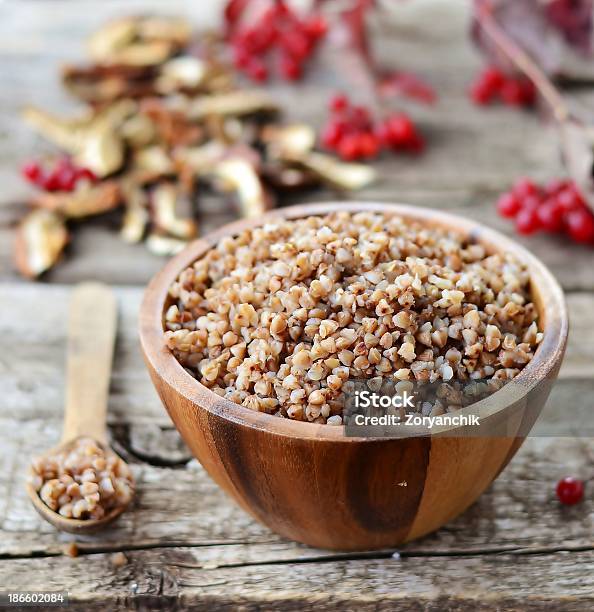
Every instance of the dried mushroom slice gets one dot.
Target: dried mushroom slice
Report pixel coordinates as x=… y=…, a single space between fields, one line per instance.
x=64 y=133
x=40 y=240
x=173 y=126
x=87 y=201
x=112 y=37
x=335 y=173
x=239 y=176
x=165 y=246
x=151 y=163
x=93 y=141
x=139 y=41
x=138 y=131
x=151 y=53
x=185 y=73
x=283 y=176
x=136 y=217
x=101 y=150
x=166 y=202
x=237 y=103
x=199 y=161
x=288 y=141
x=100 y=84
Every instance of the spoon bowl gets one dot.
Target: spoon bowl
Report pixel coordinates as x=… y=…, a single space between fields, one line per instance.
x=70 y=525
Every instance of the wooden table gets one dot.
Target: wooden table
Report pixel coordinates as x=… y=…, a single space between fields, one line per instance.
x=187 y=545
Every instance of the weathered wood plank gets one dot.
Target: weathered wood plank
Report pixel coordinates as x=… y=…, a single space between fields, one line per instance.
x=177 y=578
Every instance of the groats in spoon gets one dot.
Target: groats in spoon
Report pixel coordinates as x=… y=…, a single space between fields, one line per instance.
x=91 y=335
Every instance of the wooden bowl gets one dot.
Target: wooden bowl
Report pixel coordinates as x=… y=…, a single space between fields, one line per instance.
x=312 y=484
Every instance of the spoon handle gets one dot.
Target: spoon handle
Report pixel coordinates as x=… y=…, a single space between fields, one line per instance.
x=92 y=326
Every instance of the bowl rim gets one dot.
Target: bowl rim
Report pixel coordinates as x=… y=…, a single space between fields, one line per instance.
x=546 y=359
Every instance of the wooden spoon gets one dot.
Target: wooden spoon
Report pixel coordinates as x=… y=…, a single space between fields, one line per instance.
x=91 y=334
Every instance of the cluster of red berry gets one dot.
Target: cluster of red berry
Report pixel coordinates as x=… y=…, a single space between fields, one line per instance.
x=278 y=29
x=64 y=176
x=570 y=491
x=353 y=134
x=492 y=84
x=558 y=207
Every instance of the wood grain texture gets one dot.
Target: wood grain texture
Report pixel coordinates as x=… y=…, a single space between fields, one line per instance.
x=92 y=326
x=312 y=484
x=185 y=579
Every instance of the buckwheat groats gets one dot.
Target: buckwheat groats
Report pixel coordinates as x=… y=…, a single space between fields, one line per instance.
x=82 y=481
x=279 y=318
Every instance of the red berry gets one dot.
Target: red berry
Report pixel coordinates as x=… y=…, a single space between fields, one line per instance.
x=333 y=134
x=528 y=92
x=248 y=40
x=84 y=174
x=527 y=221
x=281 y=9
x=580 y=225
x=492 y=78
x=512 y=93
x=349 y=147
x=524 y=187
x=555 y=186
x=266 y=38
x=269 y=18
x=32 y=171
x=531 y=202
x=416 y=144
x=368 y=145
x=481 y=93
x=400 y=130
x=361 y=117
x=297 y=45
x=570 y=491
x=52 y=182
x=257 y=70
x=518 y=92
x=550 y=216
x=290 y=68
x=338 y=103
x=66 y=178
x=570 y=199
x=233 y=10
x=488 y=85
x=241 y=57
x=316 y=27
x=508 y=205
